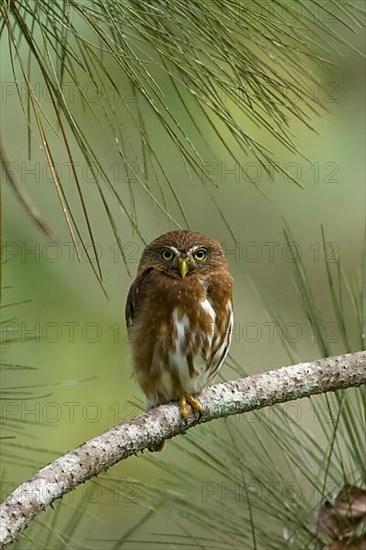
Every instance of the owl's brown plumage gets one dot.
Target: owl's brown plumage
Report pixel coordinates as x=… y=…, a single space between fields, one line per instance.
x=179 y=317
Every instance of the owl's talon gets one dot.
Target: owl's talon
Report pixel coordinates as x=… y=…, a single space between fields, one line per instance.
x=184 y=411
x=195 y=404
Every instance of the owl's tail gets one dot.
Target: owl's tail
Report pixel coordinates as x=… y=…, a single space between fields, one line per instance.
x=157 y=448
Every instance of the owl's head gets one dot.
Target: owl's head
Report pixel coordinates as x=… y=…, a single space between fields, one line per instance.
x=181 y=254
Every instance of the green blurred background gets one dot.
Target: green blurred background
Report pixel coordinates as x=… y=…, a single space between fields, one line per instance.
x=74 y=338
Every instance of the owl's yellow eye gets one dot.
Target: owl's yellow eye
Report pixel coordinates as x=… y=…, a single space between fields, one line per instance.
x=200 y=254
x=167 y=254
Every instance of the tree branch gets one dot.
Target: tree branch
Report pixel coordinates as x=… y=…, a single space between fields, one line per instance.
x=164 y=422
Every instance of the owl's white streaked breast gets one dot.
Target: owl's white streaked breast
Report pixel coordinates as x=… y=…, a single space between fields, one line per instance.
x=178 y=358
x=207 y=307
x=181 y=324
x=181 y=349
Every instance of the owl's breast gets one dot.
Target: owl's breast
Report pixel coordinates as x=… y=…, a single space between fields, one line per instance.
x=191 y=337
x=186 y=339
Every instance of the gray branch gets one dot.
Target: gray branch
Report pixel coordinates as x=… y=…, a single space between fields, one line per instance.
x=164 y=422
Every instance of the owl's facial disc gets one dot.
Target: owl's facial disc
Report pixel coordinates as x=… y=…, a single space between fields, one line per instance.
x=184 y=261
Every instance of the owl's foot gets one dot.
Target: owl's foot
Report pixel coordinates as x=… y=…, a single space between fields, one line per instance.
x=194 y=403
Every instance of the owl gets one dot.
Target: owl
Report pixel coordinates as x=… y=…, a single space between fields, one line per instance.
x=179 y=318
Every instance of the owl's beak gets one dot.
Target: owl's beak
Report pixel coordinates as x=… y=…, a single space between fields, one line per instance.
x=183 y=267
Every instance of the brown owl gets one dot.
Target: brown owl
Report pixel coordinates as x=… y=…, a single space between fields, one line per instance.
x=179 y=317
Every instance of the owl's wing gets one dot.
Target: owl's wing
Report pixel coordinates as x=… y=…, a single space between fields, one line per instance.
x=135 y=294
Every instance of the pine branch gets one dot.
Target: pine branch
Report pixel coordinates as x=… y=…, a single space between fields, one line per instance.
x=164 y=422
